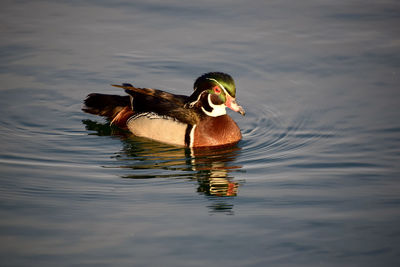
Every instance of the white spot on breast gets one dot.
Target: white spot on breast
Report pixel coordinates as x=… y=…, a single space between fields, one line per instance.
x=160 y=128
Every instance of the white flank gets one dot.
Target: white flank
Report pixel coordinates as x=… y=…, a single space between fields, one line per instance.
x=160 y=128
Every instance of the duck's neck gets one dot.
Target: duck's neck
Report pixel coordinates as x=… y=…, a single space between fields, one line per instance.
x=211 y=109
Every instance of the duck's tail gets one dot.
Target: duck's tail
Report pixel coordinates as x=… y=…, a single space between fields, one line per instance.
x=115 y=107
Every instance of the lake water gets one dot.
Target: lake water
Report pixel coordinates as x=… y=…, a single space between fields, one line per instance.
x=314 y=182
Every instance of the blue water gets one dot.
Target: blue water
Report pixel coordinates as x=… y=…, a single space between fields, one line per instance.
x=314 y=182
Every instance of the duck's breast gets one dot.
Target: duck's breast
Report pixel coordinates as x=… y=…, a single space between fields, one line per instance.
x=216 y=131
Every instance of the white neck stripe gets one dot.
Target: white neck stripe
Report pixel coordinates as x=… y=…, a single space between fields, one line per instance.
x=217 y=110
x=191 y=104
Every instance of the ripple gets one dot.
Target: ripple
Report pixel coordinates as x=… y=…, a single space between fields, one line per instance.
x=268 y=139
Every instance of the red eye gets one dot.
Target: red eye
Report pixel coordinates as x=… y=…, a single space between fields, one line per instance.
x=217 y=90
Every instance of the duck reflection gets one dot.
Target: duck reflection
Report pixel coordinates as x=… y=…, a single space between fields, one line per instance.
x=212 y=168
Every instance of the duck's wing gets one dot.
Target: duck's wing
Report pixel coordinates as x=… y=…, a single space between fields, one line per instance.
x=161 y=103
x=155 y=93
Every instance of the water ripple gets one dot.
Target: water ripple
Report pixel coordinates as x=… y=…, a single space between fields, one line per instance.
x=268 y=139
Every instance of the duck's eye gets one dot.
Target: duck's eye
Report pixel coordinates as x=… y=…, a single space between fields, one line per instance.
x=217 y=90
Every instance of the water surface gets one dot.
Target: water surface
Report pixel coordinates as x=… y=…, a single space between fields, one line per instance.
x=315 y=180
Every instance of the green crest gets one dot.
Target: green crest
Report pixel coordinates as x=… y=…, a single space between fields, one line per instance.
x=223 y=80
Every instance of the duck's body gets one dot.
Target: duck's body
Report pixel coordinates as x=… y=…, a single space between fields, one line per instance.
x=199 y=120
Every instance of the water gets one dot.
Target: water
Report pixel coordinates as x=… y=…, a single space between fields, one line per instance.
x=315 y=180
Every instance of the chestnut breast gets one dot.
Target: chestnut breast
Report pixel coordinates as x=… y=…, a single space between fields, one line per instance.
x=216 y=131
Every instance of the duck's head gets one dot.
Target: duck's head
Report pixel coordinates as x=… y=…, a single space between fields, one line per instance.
x=213 y=92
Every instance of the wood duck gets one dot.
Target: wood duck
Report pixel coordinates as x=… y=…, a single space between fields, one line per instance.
x=198 y=120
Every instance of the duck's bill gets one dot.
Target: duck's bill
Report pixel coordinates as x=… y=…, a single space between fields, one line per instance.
x=232 y=104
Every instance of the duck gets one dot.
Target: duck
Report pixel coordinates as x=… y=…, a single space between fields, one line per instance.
x=198 y=120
